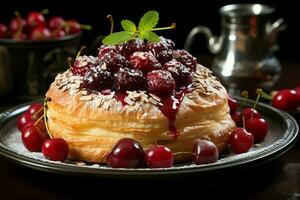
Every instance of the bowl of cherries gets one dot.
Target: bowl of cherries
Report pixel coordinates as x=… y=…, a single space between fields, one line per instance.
x=36 y=49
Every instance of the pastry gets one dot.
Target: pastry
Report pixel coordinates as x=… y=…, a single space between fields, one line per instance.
x=142 y=90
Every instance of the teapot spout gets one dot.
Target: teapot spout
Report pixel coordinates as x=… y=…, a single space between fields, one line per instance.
x=273 y=30
x=214 y=43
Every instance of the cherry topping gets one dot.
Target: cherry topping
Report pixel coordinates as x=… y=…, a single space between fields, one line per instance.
x=105 y=49
x=159 y=157
x=114 y=61
x=236 y=117
x=250 y=113
x=286 y=100
x=40 y=33
x=180 y=73
x=161 y=83
x=35 y=19
x=55 y=23
x=128 y=48
x=205 y=152
x=127 y=153
x=241 y=140
x=164 y=44
x=129 y=79
x=55 y=149
x=23 y=120
x=3 y=31
x=97 y=79
x=33 y=138
x=83 y=63
x=185 y=58
x=233 y=105
x=164 y=56
x=144 y=61
x=258 y=127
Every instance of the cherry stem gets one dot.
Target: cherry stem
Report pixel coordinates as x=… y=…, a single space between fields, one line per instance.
x=259 y=91
x=39 y=110
x=37 y=121
x=173 y=26
x=45 y=116
x=85 y=26
x=44 y=11
x=266 y=96
x=80 y=51
x=70 y=62
x=246 y=96
x=18 y=15
x=111 y=19
x=244 y=121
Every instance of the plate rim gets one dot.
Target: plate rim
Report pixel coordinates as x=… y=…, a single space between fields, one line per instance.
x=261 y=156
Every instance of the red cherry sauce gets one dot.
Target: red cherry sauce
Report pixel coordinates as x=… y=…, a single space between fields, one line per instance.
x=121 y=97
x=170 y=109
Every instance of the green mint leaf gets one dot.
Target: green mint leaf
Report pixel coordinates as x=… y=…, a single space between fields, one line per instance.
x=128 y=25
x=150 y=36
x=148 y=21
x=118 y=38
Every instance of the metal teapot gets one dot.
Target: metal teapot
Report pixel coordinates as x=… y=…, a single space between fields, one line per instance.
x=244 y=50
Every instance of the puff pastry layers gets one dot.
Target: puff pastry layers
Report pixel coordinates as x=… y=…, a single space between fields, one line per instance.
x=92 y=123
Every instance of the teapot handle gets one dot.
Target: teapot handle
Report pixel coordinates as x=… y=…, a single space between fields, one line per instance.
x=273 y=30
x=213 y=42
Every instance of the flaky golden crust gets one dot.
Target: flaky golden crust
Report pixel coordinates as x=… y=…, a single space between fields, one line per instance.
x=93 y=123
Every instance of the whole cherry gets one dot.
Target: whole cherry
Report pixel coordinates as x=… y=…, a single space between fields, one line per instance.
x=56 y=23
x=159 y=156
x=17 y=23
x=241 y=140
x=55 y=149
x=258 y=127
x=40 y=33
x=205 y=152
x=23 y=119
x=33 y=138
x=250 y=113
x=144 y=62
x=127 y=153
x=236 y=117
x=233 y=105
x=286 y=100
x=36 y=19
x=57 y=34
x=36 y=110
x=3 y=31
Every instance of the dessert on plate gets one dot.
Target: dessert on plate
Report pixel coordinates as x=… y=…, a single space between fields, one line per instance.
x=144 y=90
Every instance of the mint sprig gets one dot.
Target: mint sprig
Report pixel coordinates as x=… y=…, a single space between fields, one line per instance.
x=144 y=30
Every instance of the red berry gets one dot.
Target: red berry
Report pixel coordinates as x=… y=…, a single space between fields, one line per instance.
x=250 y=113
x=40 y=33
x=159 y=157
x=241 y=140
x=3 y=31
x=128 y=48
x=17 y=24
x=129 y=79
x=83 y=63
x=161 y=50
x=105 y=49
x=56 y=149
x=33 y=138
x=258 y=127
x=40 y=125
x=233 y=105
x=161 y=83
x=144 y=62
x=35 y=19
x=97 y=79
x=205 y=152
x=286 y=100
x=127 y=153
x=180 y=73
x=23 y=120
x=57 y=34
x=236 y=117
x=55 y=23
x=72 y=27
x=36 y=110
x=185 y=58
x=113 y=61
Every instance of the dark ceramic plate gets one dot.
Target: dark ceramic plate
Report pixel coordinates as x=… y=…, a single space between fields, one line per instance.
x=282 y=135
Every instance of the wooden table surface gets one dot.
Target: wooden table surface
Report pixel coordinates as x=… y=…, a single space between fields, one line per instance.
x=278 y=179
